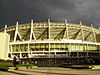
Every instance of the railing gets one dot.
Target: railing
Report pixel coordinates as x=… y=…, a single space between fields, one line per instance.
x=63 y=56
x=50 y=56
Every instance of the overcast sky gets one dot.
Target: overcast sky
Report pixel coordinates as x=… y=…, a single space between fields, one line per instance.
x=87 y=11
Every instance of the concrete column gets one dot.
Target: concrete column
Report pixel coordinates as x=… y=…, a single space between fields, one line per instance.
x=82 y=31
x=20 y=54
x=11 y=51
x=87 y=52
x=66 y=32
x=16 y=32
x=49 y=34
x=28 y=50
x=77 y=54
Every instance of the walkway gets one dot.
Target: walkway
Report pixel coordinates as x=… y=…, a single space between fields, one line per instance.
x=51 y=71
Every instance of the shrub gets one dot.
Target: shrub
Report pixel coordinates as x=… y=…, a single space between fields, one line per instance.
x=25 y=65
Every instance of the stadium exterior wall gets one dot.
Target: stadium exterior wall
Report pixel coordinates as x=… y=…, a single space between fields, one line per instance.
x=50 y=40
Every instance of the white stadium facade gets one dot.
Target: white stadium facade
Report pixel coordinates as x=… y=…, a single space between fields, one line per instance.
x=50 y=43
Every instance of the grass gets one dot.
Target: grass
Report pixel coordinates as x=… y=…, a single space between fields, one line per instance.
x=5 y=65
x=25 y=65
x=2 y=65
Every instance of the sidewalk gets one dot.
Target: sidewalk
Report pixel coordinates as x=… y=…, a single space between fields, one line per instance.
x=51 y=71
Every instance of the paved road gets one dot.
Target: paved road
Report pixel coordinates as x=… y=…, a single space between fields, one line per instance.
x=51 y=71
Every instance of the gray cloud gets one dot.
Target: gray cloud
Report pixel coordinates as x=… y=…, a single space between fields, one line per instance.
x=87 y=11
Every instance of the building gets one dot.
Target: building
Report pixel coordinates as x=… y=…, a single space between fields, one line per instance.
x=50 y=42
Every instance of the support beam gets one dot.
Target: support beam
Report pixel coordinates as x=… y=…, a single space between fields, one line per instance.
x=11 y=51
x=66 y=26
x=43 y=34
x=78 y=54
x=28 y=50
x=49 y=29
x=20 y=37
x=32 y=33
x=94 y=35
x=76 y=34
x=61 y=34
x=82 y=31
x=16 y=31
x=85 y=38
x=49 y=34
x=20 y=54
x=5 y=28
x=80 y=22
x=54 y=48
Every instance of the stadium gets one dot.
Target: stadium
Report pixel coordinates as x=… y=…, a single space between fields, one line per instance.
x=50 y=43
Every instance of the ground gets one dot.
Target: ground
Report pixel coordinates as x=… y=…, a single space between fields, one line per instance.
x=51 y=71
